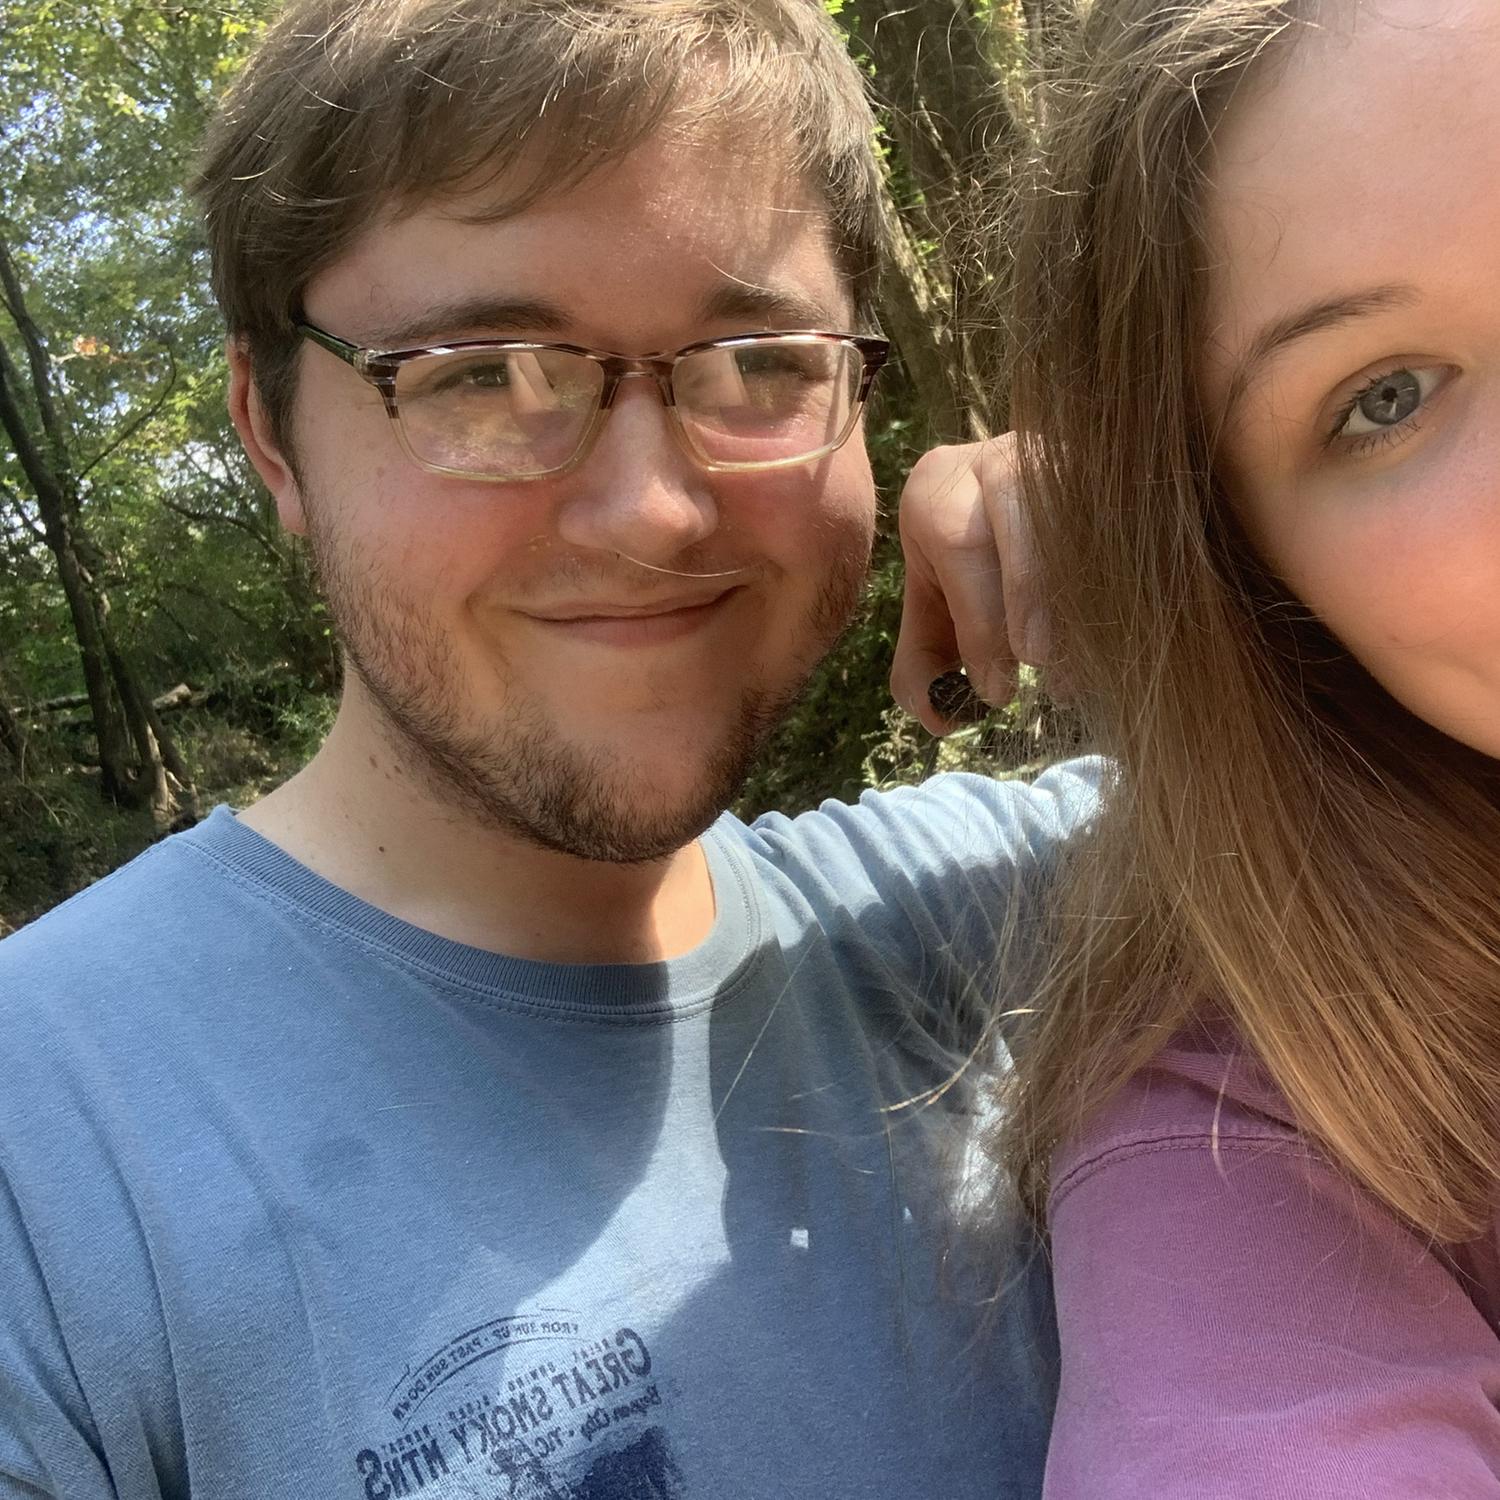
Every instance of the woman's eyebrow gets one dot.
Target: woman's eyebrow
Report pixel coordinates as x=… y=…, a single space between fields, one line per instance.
x=1280 y=333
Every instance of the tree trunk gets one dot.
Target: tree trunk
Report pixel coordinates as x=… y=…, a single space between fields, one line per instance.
x=912 y=311
x=12 y=738
x=952 y=121
x=57 y=531
x=1043 y=30
x=948 y=105
x=119 y=708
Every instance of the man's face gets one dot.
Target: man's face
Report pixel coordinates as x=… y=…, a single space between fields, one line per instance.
x=530 y=650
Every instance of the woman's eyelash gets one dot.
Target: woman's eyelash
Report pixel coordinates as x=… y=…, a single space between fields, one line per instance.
x=1366 y=443
x=1342 y=415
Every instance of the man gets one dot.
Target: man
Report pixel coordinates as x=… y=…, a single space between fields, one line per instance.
x=481 y=1114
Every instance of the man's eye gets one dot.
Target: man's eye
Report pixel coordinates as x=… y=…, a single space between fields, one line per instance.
x=490 y=376
x=1388 y=401
x=795 y=362
x=458 y=377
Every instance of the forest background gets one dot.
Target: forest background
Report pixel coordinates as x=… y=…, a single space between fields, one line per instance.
x=162 y=644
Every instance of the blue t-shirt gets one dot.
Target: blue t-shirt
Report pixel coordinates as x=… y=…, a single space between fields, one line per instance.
x=300 y=1201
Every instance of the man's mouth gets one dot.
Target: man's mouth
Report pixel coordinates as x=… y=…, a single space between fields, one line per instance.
x=611 y=622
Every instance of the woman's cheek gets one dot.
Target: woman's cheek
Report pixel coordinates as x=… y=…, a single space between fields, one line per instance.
x=1410 y=583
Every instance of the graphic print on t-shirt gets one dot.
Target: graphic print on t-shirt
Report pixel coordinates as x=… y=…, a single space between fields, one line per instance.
x=534 y=1406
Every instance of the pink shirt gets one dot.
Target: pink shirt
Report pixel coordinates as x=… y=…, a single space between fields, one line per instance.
x=1240 y=1322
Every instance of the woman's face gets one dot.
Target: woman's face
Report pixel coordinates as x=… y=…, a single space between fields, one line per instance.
x=1354 y=348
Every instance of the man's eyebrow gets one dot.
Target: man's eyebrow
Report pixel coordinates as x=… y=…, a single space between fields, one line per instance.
x=477 y=316
x=484 y=315
x=1316 y=317
x=773 y=306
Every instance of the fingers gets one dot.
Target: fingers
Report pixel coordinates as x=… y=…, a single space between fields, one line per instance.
x=954 y=603
x=1028 y=627
x=926 y=648
x=1028 y=616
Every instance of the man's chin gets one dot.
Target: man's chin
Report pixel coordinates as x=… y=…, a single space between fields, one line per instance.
x=618 y=836
x=591 y=799
x=623 y=810
x=632 y=798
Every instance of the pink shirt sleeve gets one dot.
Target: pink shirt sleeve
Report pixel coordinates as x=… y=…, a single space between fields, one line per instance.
x=1240 y=1322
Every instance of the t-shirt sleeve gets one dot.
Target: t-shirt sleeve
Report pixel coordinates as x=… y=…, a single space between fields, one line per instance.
x=41 y=1457
x=938 y=882
x=48 y=1448
x=1239 y=1320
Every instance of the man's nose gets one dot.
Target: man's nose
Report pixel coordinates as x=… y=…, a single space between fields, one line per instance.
x=638 y=491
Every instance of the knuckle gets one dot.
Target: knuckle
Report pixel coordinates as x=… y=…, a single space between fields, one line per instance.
x=939 y=467
x=998 y=464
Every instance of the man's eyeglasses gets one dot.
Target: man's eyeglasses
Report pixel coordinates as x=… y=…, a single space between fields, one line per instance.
x=495 y=409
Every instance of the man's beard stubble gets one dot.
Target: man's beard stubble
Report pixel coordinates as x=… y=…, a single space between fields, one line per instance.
x=521 y=776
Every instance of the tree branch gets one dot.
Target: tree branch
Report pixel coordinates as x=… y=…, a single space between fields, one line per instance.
x=225 y=518
x=135 y=424
x=217 y=600
x=223 y=485
x=50 y=487
x=13 y=295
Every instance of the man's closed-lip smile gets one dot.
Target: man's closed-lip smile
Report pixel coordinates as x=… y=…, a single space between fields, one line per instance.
x=610 y=623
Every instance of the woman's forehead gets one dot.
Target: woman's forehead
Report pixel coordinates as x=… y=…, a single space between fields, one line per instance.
x=1369 y=159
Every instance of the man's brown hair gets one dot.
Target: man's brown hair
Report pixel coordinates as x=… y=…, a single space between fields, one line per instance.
x=349 y=108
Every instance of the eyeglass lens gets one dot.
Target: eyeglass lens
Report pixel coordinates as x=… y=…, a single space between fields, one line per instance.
x=524 y=411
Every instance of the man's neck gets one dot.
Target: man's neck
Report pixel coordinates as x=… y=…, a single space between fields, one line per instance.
x=360 y=821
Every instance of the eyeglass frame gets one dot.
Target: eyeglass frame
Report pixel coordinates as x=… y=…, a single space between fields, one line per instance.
x=381 y=368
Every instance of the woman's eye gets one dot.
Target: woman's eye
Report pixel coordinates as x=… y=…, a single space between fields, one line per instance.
x=1388 y=401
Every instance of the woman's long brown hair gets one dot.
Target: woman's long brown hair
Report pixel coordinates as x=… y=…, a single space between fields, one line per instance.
x=1280 y=843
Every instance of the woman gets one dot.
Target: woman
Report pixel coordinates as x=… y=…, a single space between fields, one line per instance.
x=1256 y=293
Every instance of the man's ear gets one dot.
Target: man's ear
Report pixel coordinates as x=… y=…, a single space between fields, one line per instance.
x=248 y=414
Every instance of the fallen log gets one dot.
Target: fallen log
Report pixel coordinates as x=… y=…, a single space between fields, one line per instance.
x=175 y=697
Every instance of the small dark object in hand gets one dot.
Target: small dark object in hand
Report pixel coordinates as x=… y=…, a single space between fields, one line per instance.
x=955 y=699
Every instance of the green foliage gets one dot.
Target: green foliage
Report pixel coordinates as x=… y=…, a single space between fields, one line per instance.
x=57 y=841
x=59 y=836
x=103 y=102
